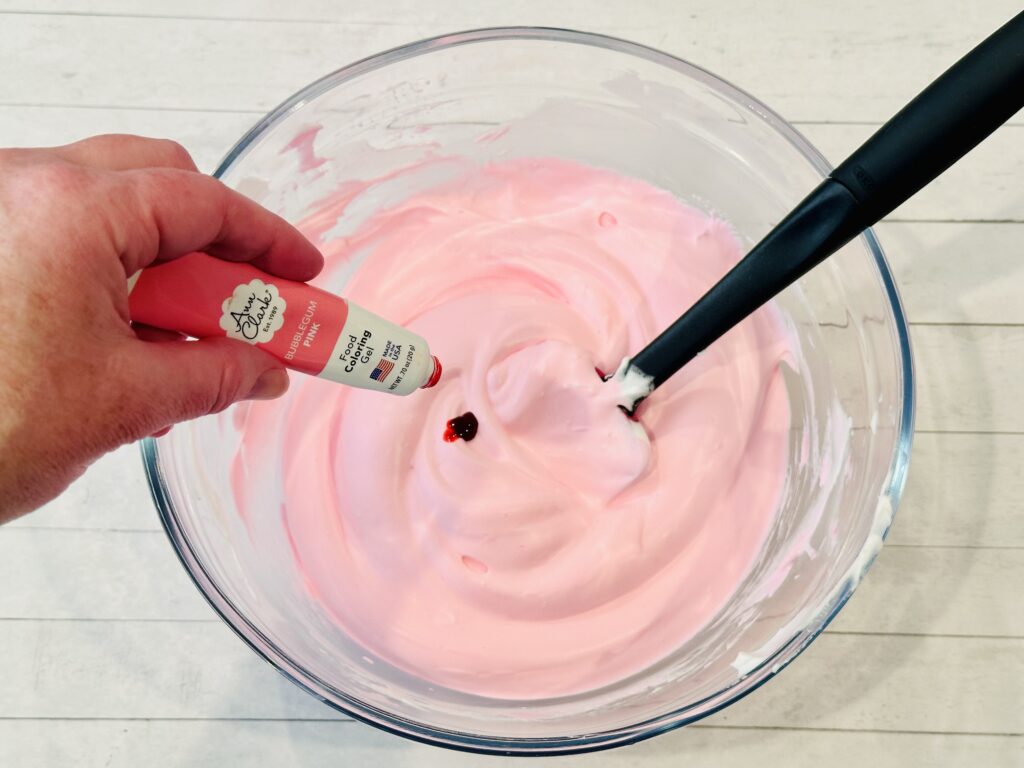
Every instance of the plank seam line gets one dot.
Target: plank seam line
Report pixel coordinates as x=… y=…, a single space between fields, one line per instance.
x=1004 y=432
x=960 y=324
x=132 y=108
x=214 y=620
x=239 y=111
x=224 y=19
x=348 y=721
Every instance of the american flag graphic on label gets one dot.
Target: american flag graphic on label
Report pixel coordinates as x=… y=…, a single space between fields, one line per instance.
x=384 y=367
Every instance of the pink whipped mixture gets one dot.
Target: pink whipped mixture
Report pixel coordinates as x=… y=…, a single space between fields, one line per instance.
x=565 y=547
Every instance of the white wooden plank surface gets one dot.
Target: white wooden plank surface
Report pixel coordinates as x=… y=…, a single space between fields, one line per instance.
x=163 y=670
x=954 y=272
x=818 y=51
x=215 y=744
x=112 y=658
x=968 y=377
x=964 y=490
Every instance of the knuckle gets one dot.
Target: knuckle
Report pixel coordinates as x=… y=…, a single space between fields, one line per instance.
x=140 y=151
x=158 y=151
x=107 y=142
x=175 y=154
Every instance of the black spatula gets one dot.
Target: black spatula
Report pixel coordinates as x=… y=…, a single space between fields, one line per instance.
x=948 y=119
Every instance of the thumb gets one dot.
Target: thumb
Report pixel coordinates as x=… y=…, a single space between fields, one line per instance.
x=179 y=380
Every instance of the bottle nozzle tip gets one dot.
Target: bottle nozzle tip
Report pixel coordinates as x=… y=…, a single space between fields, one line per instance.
x=435 y=375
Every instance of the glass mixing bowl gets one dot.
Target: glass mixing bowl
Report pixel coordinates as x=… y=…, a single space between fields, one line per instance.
x=504 y=93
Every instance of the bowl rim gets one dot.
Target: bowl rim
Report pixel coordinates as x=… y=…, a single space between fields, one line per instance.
x=766 y=669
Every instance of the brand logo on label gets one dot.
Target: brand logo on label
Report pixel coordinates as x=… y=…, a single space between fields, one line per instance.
x=253 y=313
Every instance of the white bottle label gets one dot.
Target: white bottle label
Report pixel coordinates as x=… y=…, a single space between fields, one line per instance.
x=373 y=353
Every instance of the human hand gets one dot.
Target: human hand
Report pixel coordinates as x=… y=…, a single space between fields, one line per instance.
x=76 y=378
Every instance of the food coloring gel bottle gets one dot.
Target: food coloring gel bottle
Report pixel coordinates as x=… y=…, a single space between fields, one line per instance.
x=306 y=328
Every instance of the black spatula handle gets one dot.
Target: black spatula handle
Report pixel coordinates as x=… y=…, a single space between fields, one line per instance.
x=946 y=121
x=950 y=117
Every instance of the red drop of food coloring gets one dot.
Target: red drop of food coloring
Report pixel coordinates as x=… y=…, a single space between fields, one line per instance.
x=464 y=426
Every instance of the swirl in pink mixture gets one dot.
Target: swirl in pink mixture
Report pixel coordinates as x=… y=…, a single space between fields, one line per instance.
x=566 y=547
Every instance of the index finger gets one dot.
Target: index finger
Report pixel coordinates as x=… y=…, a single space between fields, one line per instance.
x=166 y=213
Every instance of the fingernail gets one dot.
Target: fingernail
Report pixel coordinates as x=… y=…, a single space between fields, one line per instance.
x=161 y=432
x=271 y=384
